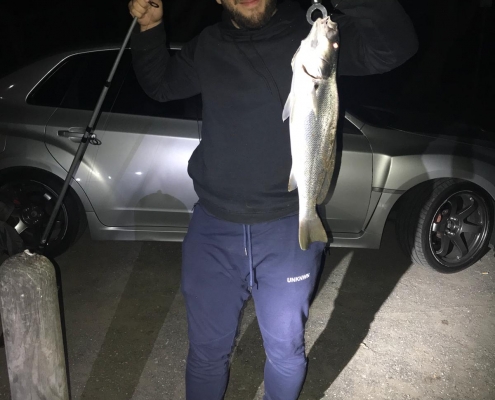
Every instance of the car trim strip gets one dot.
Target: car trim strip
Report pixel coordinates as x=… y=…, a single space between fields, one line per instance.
x=390 y=191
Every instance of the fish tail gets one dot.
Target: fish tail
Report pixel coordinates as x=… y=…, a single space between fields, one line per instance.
x=311 y=230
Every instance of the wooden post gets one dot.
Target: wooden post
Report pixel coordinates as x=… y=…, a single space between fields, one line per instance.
x=32 y=329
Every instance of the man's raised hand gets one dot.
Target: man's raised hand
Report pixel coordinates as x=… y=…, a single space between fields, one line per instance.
x=148 y=16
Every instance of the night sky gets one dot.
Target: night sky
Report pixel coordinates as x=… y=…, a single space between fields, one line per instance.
x=453 y=72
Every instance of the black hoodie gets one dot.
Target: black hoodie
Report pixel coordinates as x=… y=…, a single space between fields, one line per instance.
x=241 y=167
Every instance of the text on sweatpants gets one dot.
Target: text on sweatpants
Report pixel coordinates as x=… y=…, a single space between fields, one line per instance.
x=298 y=278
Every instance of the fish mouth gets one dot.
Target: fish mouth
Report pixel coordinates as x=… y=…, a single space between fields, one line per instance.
x=328 y=28
x=329 y=24
x=332 y=30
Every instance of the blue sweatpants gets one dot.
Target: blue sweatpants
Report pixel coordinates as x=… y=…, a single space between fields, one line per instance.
x=221 y=261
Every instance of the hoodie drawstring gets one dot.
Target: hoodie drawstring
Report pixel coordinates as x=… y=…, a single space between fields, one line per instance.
x=252 y=65
x=248 y=252
x=269 y=73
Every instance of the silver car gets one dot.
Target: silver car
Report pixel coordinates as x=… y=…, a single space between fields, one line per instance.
x=134 y=185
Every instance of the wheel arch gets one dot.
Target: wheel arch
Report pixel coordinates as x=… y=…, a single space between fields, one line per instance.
x=54 y=171
x=75 y=190
x=419 y=182
x=407 y=171
x=390 y=201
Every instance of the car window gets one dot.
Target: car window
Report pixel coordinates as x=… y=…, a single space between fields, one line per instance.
x=94 y=68
x=77 y=81
x=51 y=90
x=133 y=100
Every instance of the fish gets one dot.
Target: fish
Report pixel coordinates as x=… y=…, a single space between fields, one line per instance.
x=312 y=108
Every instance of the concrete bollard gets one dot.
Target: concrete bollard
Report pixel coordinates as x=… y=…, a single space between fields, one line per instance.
x=32 y=329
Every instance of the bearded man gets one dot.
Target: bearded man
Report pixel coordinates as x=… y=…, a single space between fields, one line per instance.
x=242 y=239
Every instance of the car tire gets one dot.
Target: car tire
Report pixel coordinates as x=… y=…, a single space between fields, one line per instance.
x=31 y=195
x=445 y=224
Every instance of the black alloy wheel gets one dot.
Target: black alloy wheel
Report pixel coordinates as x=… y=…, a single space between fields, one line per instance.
x=459 y=228
x=446 y=224
x=32 y=202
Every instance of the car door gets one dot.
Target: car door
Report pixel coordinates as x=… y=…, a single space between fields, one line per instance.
x=137 y=176
x=345 y=208
x=73 y=88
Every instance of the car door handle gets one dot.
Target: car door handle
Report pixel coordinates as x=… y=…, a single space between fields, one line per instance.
x=74 y=134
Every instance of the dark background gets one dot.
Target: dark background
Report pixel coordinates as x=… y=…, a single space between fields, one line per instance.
x=452 y=75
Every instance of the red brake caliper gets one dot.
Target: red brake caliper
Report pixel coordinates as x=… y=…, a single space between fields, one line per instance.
x=438 y=219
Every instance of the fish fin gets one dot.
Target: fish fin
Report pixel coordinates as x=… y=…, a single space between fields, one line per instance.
x=287 y=108
x=311 y=230
x=292 y=181
x=328 y=179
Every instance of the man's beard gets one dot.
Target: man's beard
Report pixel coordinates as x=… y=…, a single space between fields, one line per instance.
x=255 y=21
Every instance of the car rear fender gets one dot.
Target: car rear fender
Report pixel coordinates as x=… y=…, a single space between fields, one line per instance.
x=406 y=172
x=402 y=160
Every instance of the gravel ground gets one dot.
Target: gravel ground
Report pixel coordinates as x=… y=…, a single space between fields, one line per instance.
x=380 y=328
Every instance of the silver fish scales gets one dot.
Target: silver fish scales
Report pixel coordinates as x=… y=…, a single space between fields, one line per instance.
x=313 y=109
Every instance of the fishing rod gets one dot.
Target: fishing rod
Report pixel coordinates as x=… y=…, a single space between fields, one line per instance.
x=89 y=137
